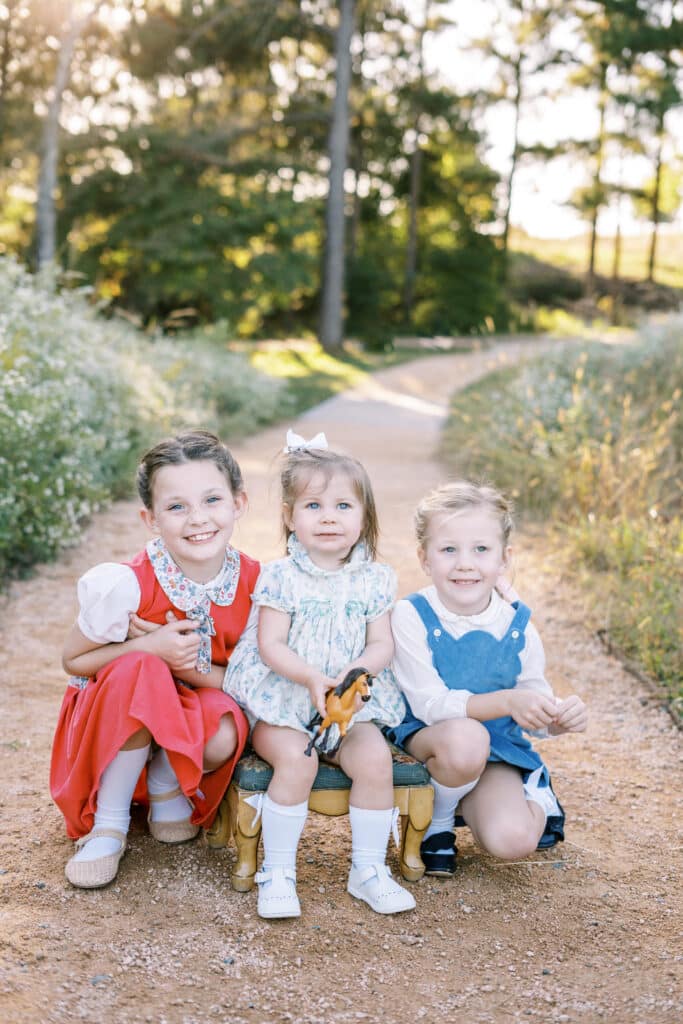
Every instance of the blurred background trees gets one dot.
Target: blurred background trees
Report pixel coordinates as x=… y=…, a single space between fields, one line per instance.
x=177 y=155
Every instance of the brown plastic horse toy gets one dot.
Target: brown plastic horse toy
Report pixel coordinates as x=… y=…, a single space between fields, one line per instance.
x=340 y=707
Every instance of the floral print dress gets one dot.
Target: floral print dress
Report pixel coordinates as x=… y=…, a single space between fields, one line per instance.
x=329 y=610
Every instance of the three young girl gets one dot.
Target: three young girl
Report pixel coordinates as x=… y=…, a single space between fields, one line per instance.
x=470 y=665
x=158 y=694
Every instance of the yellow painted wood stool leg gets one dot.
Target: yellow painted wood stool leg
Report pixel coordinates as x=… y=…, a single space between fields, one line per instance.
x=246 y=833
x=419 y=804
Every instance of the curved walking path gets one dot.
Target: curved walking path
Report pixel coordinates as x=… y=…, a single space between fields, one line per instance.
x=588 y=932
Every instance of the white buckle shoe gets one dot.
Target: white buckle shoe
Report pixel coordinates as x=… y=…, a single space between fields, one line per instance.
x=277 y=893
x=375 y=885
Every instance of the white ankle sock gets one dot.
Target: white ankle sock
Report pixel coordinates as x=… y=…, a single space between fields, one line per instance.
x=281 y=829
x=114 y=796
x=369 y=835
x=162 y=779
x=446 y=799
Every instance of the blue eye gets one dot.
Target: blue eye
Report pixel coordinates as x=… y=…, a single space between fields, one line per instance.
x=449 y=549
x=175 y=507
x=313 y=505
x=213 y=499
x=344 y=505
x=481 y=548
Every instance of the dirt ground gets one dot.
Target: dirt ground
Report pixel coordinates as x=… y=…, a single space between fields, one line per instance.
x=587 y=932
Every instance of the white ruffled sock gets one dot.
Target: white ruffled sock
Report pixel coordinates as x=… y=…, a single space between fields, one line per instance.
x=162 y=779
x=114 y=796
x=281 y=828
x=369 y=835
x=446 y=799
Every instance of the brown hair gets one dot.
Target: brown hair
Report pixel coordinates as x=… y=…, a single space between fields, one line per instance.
x=301 y=465
x=188 y=447
x=459 y=496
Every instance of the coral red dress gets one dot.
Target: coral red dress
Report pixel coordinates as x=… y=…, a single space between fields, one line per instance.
x=100 y=714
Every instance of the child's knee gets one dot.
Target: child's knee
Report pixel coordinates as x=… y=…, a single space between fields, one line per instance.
x=222 y=745
x=464 y=751
x=374 y=759
x=509 y=839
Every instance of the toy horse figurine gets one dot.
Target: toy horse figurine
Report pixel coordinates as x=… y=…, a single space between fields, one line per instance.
x=339 y=705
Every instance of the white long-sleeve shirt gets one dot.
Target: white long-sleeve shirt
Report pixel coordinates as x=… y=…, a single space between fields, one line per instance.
x=430 y=699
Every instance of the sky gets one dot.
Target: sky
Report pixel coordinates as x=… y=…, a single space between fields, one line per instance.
x=540 y=192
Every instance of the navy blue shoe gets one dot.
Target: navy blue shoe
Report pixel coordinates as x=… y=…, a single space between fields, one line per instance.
x=438 y=853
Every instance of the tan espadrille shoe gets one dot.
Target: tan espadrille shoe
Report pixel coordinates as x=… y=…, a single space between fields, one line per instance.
x=93 y=874
x=170 y=831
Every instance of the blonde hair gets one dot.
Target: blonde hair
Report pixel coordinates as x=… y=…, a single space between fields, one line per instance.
x=301 y=465
x=461 y=496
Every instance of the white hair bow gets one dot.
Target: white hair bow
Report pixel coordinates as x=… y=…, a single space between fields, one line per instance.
x=296 y=443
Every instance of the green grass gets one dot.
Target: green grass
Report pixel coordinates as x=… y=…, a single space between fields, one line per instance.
x=589 y=440
x=572 y=254
x=312 y=374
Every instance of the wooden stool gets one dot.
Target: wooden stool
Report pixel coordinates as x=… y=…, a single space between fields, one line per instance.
x=413 y=795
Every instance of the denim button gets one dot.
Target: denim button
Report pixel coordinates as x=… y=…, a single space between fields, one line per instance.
x=515 y=634
x=437 y=632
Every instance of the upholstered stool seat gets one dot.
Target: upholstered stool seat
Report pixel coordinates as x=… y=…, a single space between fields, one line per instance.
x=413 y=795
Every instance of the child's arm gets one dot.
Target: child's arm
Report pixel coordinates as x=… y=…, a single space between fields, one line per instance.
x=378 y=650
x=273 y=635
x=214 y=678
x=176 y=643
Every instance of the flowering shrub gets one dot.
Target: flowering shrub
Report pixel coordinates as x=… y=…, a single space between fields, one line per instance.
x=80 y=399
x=592 y=440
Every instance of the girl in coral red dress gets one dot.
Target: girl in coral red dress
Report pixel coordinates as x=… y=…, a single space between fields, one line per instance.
x=144 y=692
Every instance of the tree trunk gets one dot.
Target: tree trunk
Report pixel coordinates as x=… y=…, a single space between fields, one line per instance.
x=415 y=189
x=46 y=216
x=513 y=167
x=4 y=64
x=654 y=216
x=597 y=182
x=332 y=311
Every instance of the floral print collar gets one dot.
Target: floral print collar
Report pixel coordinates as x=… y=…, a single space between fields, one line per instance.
x=195 y=598
x=303 y=561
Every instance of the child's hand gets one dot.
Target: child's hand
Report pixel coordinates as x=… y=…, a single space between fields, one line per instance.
x=571 y=716
x=176 y=643
x=140 y=627
x=531 y=710
x=318 y=687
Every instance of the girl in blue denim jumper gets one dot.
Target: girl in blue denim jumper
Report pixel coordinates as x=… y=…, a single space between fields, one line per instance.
x=471 y=666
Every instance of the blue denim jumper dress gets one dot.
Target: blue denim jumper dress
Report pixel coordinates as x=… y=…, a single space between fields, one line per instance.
x=480 y=663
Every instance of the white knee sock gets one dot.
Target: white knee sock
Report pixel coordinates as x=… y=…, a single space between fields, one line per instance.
x=281 y=830
x=162 y=779
x=369 y=835
x=114 y=796
x=446 y=799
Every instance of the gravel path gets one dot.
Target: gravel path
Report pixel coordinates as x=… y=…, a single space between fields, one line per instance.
x=590 y=931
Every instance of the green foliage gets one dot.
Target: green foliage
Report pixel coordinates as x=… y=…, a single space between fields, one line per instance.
x=80 y=398
x=592 y=440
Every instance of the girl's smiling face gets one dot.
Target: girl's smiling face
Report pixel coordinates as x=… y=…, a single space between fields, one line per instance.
x=194 y=512
x=463 y=554
x=327 y=518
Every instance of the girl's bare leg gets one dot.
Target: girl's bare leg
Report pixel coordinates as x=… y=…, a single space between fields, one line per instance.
x=454 y=751
x=293 y=773
x=284 y=810
x=365 y=756
x=502 y=820
x=222 y=745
